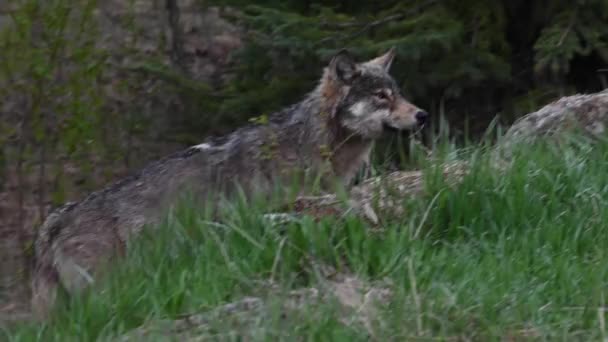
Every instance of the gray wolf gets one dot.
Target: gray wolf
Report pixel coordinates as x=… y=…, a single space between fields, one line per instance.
x=328 y=135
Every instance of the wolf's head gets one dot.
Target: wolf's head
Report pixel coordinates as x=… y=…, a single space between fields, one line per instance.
x=369 y=98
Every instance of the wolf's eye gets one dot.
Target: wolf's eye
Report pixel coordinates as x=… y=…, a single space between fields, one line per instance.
x=381 y=95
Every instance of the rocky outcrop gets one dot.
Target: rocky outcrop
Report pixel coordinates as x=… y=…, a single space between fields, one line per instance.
x=358 y=301
x=583 y=112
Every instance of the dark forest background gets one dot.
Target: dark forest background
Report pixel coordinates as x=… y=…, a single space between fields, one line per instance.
x=90 y=90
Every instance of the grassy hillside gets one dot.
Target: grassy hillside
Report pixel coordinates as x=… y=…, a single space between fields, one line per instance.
x=517 y=254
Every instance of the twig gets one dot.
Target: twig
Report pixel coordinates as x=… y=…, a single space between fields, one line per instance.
x=569 y=28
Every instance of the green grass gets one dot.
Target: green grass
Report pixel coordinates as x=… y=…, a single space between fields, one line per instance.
x=520 y=253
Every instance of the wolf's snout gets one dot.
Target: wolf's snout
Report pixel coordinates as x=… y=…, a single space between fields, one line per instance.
x=421 y=116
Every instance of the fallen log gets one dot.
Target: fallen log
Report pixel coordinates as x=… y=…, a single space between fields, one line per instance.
x=378 y=195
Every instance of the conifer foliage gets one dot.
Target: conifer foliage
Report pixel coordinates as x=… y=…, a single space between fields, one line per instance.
x=459 y=57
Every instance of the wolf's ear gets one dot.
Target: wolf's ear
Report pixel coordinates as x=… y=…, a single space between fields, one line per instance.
x=343 y=67
x=386 y=60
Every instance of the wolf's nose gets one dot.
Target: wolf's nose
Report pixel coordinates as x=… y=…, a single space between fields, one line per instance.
x=421 y=116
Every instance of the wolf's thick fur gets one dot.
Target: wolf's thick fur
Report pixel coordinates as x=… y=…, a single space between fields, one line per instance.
x=329 y=133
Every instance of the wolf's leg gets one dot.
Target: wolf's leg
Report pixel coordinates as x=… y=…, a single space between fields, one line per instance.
x=45 y=282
